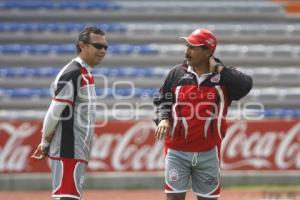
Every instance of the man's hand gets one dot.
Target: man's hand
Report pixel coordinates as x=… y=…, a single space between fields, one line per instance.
x=40 y=152
x=43 y=148
x=162 y=129
x=214 y=66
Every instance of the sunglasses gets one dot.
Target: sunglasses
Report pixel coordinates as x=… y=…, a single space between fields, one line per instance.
x=99 y=46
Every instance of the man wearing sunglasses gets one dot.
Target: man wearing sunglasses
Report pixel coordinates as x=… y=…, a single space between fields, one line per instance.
x=69 y=124
x=191 y=116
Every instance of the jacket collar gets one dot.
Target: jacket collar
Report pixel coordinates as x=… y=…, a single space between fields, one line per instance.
x=83 y=64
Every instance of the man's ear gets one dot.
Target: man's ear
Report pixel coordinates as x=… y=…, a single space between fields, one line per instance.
x=208 y=53
x=82 y=45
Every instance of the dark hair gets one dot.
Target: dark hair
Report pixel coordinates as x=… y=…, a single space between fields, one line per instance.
x=84 y=35
x=204 y=47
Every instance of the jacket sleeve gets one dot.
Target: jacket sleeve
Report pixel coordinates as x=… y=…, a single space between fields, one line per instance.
x=237 y=83
x=164 y=100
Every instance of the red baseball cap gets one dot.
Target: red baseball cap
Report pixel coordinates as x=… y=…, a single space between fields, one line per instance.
x=202 y=37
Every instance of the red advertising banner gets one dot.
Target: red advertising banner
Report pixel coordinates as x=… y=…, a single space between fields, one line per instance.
x=130 y=146
x=262 y=145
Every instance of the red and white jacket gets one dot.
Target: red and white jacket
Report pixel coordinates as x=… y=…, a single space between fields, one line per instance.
x=197 y=106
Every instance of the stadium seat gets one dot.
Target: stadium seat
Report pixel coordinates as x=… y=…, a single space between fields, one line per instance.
x=262 y=74
x=70 y=49
x=282 y=113
x=262 y=94
x=159 y=28
x=223 y=50
x=108 y=92
x=137 y=43
x=63 y=5
x=58 y=27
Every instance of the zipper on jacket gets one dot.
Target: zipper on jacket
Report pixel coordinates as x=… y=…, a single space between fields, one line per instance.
x=212 y=127
x=180 y=121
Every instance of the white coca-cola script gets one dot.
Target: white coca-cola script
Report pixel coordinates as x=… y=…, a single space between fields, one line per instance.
x=261 y=150
x=14 y=154
x=128 y=150
x=263 y=145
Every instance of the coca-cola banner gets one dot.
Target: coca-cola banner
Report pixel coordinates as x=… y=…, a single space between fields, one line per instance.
x=262 y=145
x=130 y=146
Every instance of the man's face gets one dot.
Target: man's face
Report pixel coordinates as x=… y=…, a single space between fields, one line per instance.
x=196 y=55
x=94 y=51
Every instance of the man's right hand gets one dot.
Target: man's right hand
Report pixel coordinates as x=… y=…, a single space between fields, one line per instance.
x=40 y=152
x=162 y=129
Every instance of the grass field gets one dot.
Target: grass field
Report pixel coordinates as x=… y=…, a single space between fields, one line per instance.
x=232 y=193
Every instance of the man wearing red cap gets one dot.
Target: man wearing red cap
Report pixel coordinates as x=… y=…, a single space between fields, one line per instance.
x=191 y=116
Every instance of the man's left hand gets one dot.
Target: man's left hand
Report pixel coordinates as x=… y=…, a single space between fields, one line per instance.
x=40 y=152
x=214 y=66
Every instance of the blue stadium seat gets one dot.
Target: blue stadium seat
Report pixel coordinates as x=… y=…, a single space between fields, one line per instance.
x=63 y=5
x=26 y=5
x=162 y=72
x=138 y=92
x=70 y=48
x=16 y=48
x=113 y=27
x=136 y=28
x=63 y=49
x=127 y=92
x=13 y=27
x=102 y=5
x=135 y=71
x=206 y=6
x=25 y=92
x=109 y=5
x=286 y=76
x=45 y=92
x=28 y=72
x=59 y=27
x=280 y=112
x=146 y=49
x=130 y=49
